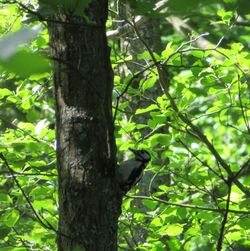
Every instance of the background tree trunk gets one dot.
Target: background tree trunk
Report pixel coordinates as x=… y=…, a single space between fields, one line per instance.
x=89 y=201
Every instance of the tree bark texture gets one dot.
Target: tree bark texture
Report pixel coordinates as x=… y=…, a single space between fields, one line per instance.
x=89 y=199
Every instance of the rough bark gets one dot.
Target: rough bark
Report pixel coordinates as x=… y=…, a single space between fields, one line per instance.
x=89 y=200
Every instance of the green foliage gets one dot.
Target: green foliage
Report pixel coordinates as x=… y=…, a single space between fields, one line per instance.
x=210 y=90
x=19 y=61
x=27 y=142
x=34 y=64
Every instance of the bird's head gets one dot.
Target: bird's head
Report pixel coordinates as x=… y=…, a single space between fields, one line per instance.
x=141 y=155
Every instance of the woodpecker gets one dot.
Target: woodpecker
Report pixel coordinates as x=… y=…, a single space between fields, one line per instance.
x=131 y=171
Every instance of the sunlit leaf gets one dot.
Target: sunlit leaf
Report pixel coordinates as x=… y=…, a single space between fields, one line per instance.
x=25 y=63
x=11 y=218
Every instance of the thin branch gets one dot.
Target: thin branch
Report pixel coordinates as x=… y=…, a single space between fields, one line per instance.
x=219 y=111
x=216 y=210
x=244 y=115
x=244 y=169
x=150 y=134
x=30 y=174
x=178 y=129
x=224 y=221
x=246 y=24
x=179 y=49
x=215 y=48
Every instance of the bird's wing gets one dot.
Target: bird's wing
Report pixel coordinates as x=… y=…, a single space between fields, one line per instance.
x=135 y=173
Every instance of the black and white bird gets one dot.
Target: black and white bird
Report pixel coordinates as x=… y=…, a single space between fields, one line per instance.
x=131 y=171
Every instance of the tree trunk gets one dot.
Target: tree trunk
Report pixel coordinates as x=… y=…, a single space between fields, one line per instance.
x=89 y=199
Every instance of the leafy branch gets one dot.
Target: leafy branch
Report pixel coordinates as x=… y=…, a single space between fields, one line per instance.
x=12 y=173
x=164 y=84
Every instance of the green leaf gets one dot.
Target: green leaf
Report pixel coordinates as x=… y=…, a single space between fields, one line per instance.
x=158 y=138
x=149 y=83
x=150 y=204
x=158 y=118
x=25 y=63
x=11 y=218
x=226 y=16
x=128 y=127
x=237 y=47
x=144 y=55
x=173 y=230
x=244 y=223
x=4 y=197
x=38 y=163
x=4 y=92
x=147 y=109
x=43 y=204
x=181 y=213
x=211 y=227
x=127 y=203
x=197 y=54
x=168 y=51
x=164 y=188
x=41 y=191
x=157 y=222
x=200 y=243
